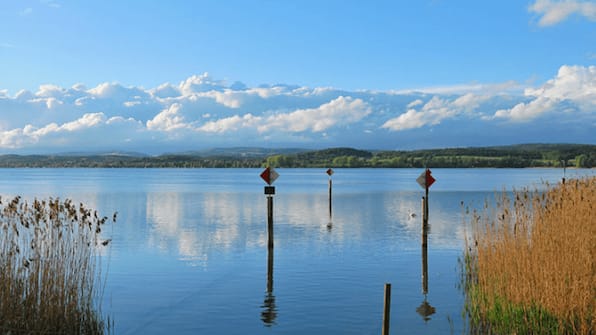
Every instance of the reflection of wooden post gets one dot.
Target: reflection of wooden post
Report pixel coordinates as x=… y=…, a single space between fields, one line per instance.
x=386 y=309
x=270 y=271
x=425 y=244
x=424 y=265
x=269 y=312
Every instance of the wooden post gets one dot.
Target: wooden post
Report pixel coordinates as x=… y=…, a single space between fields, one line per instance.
x=426 y=204
x=330 y=201
x=270 y=221
x=330 y=173
x=269 y=192
x=423 y=211
x=386 y=309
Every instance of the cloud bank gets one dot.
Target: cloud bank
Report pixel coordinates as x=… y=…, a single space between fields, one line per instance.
x=201 y=112
x=572 y=91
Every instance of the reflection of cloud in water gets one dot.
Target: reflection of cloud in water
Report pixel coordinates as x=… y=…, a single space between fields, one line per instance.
x=196 y=225
x=187 y=243
x=163 y=212
x=445 y=221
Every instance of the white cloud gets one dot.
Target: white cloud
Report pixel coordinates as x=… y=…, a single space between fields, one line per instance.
x=575 y=85
x=12 y=139
x=30 y=134
x=86 y=121
x=169 y=119
x=53 y=103
x=201 y=83
x=341 y=111
x=526 y=111
x=469 y=102
x=552 y=12
x=165 y=91
x=508 y=87
x=434 y=111
x=131 y=103
x=24 y=95
x=233 y=123
x=47 y=91
x=115 y=91
x=415 y=103
x=227 y=98
x=408 y=120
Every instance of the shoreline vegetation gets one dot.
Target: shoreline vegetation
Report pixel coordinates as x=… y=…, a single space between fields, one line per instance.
x=530 y=264
x=514 y=156
x=51 y=279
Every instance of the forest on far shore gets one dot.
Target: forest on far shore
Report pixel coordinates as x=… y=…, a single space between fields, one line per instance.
x=514 y=156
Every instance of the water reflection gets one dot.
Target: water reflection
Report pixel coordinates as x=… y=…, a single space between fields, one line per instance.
x=444 y=207
x=425 y=309
x=269 y=308
x=188 y=257
x=195 y=225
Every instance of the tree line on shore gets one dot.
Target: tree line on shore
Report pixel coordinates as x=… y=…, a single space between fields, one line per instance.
x=516 y=156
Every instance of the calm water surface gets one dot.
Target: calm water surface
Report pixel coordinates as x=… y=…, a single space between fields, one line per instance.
x=189 y=252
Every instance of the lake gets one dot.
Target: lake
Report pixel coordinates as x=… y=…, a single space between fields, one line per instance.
x=189 y=249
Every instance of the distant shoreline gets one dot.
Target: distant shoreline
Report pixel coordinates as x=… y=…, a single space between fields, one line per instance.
x=515 y=156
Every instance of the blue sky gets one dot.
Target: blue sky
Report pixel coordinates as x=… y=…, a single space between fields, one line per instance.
x=177 y=75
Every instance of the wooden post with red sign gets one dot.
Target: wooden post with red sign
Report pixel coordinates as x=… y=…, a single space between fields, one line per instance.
x=425 y=180
x=269 y=175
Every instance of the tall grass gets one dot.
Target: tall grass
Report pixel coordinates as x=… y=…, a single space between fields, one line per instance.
x=50 y=269
x=530 y=265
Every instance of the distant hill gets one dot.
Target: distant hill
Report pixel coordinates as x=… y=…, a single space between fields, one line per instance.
x=522 y=155
x=518 y=156
x=241 y=152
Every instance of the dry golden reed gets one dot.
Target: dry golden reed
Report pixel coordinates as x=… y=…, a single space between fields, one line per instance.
x=530 y=266
x=50 y=269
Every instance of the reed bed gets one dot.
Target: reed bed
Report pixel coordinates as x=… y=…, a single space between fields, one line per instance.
x=530 y=263
x=50 y=268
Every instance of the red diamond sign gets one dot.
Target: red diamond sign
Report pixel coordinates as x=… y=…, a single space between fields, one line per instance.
x=269 y=175
x=426 y=179
x=329 y=172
